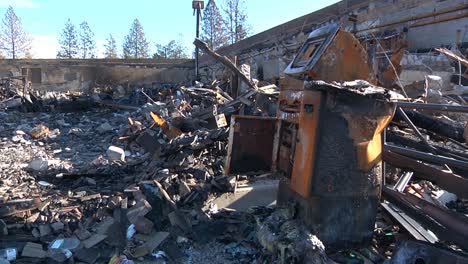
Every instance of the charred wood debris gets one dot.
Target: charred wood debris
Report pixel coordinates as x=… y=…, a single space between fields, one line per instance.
x=124 y=174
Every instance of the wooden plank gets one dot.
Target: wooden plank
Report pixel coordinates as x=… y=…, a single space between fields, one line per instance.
x=227 y=62
x=94 y=240
x=453 y=56
x=149 y=246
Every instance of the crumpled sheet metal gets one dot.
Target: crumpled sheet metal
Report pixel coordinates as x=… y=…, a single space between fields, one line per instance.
x=170 y=131
x=359 y=87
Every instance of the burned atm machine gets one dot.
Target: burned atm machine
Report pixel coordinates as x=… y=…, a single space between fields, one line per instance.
x=326 y=139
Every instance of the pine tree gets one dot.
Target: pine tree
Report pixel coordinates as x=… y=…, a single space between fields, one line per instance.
x=111 y=48
x=213 y=27
x=236 y=20
x=68 y=42
x=13 y=39
x=87 y=45
x=135 y=45
x=173 y=50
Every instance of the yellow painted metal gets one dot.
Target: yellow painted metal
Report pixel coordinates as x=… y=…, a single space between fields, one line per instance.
x=304 y=155
x=170 y=131
x=366 y=133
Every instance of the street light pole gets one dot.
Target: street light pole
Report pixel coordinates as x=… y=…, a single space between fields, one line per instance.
x=197 y=7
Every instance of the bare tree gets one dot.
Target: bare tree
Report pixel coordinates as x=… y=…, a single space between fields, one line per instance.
x=68 y=42
x=13 y=39
x=214 y=31
x=87 y=44
x=111 y=48
x=135 y=45
x=236 y=20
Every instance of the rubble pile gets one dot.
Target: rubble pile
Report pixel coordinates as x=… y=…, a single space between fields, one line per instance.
x=131 y=175
x=95 y=184
x=11 y=89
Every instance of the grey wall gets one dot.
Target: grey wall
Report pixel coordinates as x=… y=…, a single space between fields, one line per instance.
x=79 y=75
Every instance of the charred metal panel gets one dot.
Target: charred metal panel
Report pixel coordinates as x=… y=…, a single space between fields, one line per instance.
x=305 y=153
x=332 y=54
x=287 y=147
x=337 y=177
x=252 y=144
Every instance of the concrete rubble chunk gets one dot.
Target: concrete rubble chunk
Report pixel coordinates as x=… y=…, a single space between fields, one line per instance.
x=115 y=154
x=33 y=250
x=105 y=127
x=59 y=255
x=82 y=234
x=141 y=209
x=57 y=226
x=45 y=230
x=39 y=164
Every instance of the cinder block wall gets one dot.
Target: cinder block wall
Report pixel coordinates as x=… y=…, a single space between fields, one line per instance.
x=80 y=75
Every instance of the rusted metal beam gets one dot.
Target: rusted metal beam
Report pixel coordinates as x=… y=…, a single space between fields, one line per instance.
x=445 y=180
x=447 y=225
x=438 y=107
x=427 y=157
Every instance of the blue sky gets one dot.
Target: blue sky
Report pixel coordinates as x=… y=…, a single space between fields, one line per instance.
x=162 y=20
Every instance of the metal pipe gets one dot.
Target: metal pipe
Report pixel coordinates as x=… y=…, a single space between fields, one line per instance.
x=415 y=129
x=403 y=181
x=427 y=157
x=441 y=12
x=439 y=107
x=197 y=70
x=439 y=20
x=446 y=224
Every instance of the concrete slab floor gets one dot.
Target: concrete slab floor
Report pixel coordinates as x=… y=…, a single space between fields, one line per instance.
x=259 y=193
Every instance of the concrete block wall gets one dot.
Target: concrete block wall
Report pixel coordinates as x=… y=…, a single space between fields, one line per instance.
x=80 y=75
